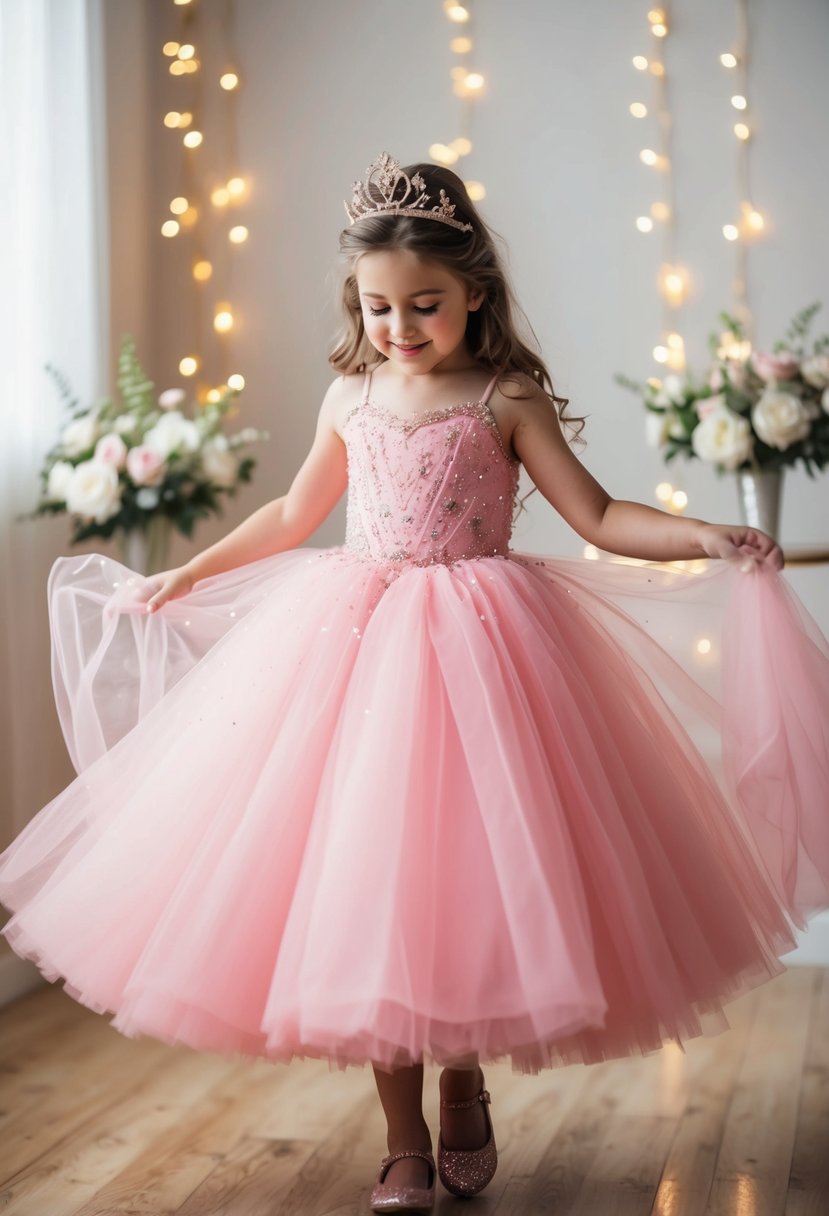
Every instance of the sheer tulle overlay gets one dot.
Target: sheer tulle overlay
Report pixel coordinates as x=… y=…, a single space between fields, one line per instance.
x=373 y=808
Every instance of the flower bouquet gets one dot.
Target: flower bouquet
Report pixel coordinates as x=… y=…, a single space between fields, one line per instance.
x=756 y=412
x=142 y=465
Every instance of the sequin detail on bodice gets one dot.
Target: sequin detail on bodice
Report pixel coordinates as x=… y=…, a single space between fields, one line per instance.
x=436 y=488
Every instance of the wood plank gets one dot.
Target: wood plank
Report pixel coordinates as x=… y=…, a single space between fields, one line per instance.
x=109 y=1127
x=808 y=1193
x=758 y=1136
x=710 y=1070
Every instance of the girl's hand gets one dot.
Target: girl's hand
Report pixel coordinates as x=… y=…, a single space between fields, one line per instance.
x=735 y=541
x=167 y=585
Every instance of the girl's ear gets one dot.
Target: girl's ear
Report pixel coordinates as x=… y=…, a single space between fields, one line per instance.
x=474 y=300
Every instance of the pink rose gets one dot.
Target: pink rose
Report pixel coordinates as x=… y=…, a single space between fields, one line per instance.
x=145 y=465
x=715 y=380
x=775 y=367
x=709 y=405
x=111 y=449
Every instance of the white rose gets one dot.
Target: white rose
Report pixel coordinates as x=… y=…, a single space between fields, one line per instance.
x=780 y=419
x=111 y=449
x=171 y=397
x=79 y=435
x=674 y=386
x=722 y=437
x=124 y=423
x=218 y=463
x=60 y=475
x=815 y=370
x=172 y=432
x=94 y=491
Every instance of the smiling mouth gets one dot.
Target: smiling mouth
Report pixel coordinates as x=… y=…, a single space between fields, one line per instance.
x=417 y=346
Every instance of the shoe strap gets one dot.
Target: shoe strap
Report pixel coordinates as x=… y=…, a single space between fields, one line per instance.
x=483 y=1096
x=409 y=1152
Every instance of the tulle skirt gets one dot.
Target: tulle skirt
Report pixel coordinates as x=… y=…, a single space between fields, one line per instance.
x=527 y=807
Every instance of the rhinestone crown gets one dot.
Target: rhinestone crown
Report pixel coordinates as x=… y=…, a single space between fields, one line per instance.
x=386 y=175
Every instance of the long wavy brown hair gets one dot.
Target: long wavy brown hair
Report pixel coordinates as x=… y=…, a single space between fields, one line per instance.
x=491 y=333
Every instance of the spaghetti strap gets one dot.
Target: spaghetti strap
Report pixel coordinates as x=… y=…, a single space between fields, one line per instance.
x=489 y=388
x=366 y=385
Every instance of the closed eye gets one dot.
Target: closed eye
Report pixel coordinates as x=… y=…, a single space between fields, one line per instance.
x=378 y=312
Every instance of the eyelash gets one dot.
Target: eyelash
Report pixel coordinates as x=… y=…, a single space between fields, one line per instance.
x=378 y=312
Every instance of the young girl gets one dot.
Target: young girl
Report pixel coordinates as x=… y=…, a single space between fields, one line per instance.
x=420 y=795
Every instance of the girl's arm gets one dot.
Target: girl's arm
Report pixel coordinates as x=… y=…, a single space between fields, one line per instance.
x=628 y=528
x=280 y=524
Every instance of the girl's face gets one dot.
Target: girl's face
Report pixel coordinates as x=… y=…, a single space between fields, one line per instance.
x=408 y=302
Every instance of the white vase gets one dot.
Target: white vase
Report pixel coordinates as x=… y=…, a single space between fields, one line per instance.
x=759 y=492
x=145 y=550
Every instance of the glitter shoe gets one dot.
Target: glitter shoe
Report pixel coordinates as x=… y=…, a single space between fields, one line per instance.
x=467 y=1171
x=387 y=1197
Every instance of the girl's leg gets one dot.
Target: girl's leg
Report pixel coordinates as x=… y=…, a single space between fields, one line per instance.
x=401 y=1095
x=463 y=1128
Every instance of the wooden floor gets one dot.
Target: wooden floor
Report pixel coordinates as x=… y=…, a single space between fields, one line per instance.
x=92 y=1122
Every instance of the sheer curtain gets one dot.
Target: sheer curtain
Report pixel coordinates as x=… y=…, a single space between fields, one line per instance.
x=54 y=308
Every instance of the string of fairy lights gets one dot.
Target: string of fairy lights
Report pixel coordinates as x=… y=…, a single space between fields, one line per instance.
x=212 y=190
x=468 y=85
x=674 y=277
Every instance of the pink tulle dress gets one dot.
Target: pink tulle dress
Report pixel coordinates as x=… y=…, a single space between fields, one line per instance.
x=420 y=794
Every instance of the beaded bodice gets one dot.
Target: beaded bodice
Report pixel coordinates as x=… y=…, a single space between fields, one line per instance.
x=436 y=488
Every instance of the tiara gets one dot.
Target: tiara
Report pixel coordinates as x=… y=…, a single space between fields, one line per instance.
x=387 y=176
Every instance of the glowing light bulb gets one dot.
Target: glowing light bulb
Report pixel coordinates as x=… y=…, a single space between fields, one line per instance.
x=202 y=270
x=229 y=81
x=728 y=60
x=475 y=190
x=187 y=51
x=638 y=109
x=640 y=63
x=738 y=101
x=704 y=646
x=443 y=154
x=460 y=45
x=220 y=197
x=675 y=341
x=170 y=48
x=659 y=30
x=456 y=12
x=189 y=217
x=679 y=500
x=660 y=353
x=474 y=80
x=213 y=394
x=752 y=219
x=664 y=491
x=236 y=186
x=236 y=382
x=238 y=235
x=172 y=118
x=170 y=228
x=660 y=211
x=179 y=205
x=223 y=319
x=192 y=139
x=657 y=68
x=741 y=130
x=656 y=15
x=730 y=232
x=189 y=365
x=648 y=156
x=462 y=145
x=644 y=223
x=177 y=68
x=185 y=118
